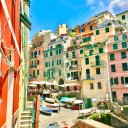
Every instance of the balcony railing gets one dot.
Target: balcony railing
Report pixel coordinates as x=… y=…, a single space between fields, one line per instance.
x=73 y=78
x=33 y=66
x=73 y=67
x=97 y=63
x=87 y=77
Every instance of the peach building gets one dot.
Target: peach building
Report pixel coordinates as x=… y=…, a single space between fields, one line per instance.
x=118 y=66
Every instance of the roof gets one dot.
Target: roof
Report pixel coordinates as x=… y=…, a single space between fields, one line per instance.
x=122 y=12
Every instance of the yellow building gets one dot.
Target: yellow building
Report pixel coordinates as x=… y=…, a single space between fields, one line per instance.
x=62 y=29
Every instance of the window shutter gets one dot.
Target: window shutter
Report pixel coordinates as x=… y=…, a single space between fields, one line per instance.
x=111 y=81
x=122 y=80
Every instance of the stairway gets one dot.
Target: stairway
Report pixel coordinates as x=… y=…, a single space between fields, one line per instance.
x=26 y=116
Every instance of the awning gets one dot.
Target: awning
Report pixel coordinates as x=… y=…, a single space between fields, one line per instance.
x=70 y=84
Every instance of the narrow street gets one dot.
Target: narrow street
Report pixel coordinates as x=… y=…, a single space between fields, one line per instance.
x=65 y=117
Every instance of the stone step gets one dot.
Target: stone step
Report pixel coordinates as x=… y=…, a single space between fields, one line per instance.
x=26 y=126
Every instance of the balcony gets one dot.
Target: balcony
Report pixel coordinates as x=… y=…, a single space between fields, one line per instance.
x=98 y=63
x=25 y=20
x=88 y=77
x=37 y=45
x=33 y=66
x=73 y=67
x=73 y=78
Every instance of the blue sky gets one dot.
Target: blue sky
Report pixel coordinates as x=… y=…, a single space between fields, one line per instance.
x=48 y=14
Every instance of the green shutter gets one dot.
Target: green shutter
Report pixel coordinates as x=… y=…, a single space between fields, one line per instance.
x=50 y=53
x=100 y=50
x=81 y=51
x=122 y=80
x=97 y=70
x=86 y=60
x=116 y=80
x=124 y=66
x=67 y=55
x=124 y=45
x=68 y=75
x=97 y=32
x=52 y=62
x=115 y=47
x=123 y=55
x=57 y=52
x=116 y=38
x=111 y=81
x=124 y=36
x=112 y=56
x=74 y=42
x=49 y=63
x=91 y=52
x=107 y=29
x=59 y=72
x=60 y=62
x=38 y=72
x=67 y=64
x=73 y=54
x=113 y=68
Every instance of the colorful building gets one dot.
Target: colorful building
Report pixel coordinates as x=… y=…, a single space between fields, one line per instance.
x=39 y=44
x=94 y=64
x=10 y=62
x=118 y=66
x=123 y=17
x=54 y=59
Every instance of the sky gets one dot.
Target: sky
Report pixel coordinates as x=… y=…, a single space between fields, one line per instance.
x=48 y=14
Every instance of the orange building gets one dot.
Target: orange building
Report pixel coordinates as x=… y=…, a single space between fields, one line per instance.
x=10 y=60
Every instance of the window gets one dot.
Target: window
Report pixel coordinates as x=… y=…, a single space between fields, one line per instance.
x=82 y=29
x=91 y=27
x=52 y=62
x=38 y=72
x=51 y=47
x=59 y=72
x=100 y=50
x=124 y=45
x=111 y=81
x=97 y=70
x=67 y=64
x=60 y=62
x=74 y=42
x=67 y=55
x=86 y=60
x=113 y=68
x=116 y=80
x=115 y=47
x=46 y=64
x=97 y=32
x=107 y=29
x=86 y=39
x=49 y=63
x=45 y=74
x=99 y=85
x=68 y=75
x=91 y=52
x=115 y=38
x=46 y=54
x=38 y=62
x=73 y=54
x=124 y=36
x=81 y=51
x=50 y=53
x=112 y=56
x=124 y=66
x=123 y=17
x=123 y=55
x=59 y=51
x=91 y=86
x=124 y=80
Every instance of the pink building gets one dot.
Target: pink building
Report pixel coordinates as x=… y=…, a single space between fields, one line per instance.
x=118 y=66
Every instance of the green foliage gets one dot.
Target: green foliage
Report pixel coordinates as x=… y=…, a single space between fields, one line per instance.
x=102 y=117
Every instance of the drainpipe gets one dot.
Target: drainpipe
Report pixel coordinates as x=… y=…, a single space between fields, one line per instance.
x=109 y=86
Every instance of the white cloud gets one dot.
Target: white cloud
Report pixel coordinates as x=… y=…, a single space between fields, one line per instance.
x=88 y=2
x=120 y=4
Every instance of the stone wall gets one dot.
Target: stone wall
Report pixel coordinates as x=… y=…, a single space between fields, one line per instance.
x=118 y=123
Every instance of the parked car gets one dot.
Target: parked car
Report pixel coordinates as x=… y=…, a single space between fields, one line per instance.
x=75 y=107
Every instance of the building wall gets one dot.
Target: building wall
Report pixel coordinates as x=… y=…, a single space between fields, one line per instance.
x=119 y=88
x=9 y=90
x=124 y=21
